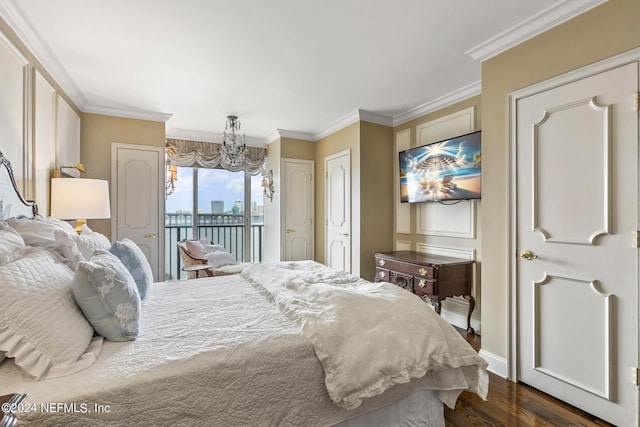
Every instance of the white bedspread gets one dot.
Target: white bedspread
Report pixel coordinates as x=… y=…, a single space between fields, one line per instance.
x=368 y=336
x=211 y=352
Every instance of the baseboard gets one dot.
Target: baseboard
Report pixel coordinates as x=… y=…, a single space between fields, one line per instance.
x=497 y=364
x=460 y=320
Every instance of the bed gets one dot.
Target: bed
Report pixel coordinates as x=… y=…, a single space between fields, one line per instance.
x=276 y=344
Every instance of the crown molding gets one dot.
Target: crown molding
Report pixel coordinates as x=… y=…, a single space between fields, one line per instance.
x=30 y=37
x=293 y=134
x=130 y=114
x=353 y=117
x=461 y=94
x=531 y=27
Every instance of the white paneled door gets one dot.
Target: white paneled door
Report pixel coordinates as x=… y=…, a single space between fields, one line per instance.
x=297 y=218
x=576 y=220
x=137 y=190
x=338 y=205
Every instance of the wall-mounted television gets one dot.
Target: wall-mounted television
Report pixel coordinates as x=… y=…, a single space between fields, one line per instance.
x=441 y=171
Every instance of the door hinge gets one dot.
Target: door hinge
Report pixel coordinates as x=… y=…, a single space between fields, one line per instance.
x=636 y=101
x=636 y=376
x=636 y=239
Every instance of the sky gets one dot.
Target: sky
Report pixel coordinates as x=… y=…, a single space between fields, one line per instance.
x=213 y=184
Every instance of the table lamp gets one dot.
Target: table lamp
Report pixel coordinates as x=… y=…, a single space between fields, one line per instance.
x=80 y=199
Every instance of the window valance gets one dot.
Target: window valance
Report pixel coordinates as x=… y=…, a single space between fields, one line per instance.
x=207 y=155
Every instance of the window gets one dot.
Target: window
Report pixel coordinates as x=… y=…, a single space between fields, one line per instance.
x=225 y=207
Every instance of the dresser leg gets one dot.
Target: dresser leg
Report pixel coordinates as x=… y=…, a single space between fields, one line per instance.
x=437 y=306
x=472 y=305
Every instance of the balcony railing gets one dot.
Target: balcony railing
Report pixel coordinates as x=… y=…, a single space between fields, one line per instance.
x=230 y=236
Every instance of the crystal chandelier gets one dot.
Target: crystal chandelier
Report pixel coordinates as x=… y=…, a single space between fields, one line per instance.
x=233 y=148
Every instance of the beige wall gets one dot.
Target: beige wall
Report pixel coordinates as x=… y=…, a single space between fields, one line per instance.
x=602 y=32
x=376 y=194
x=347 y=138
x=371 y=149
x=444 y=241
x=97 y=134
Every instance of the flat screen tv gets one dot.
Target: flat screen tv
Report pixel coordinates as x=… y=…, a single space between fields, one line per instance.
x=448 y=170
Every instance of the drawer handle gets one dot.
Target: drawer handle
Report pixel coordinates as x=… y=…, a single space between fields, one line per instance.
x=381 y=274
x=422 y=271
x=381 y=262
x=422 y=283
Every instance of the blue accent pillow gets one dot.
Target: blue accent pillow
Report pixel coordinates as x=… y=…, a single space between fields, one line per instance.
x=108 y=296
x=136 y=262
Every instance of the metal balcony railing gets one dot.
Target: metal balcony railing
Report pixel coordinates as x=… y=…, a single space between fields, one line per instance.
x=231 y=236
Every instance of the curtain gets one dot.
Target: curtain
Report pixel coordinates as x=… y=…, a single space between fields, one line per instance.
x=207 y=155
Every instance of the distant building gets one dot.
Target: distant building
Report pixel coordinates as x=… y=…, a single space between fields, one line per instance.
x=217 y=206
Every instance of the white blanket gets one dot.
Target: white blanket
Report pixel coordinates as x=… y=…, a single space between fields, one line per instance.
x=367 y=336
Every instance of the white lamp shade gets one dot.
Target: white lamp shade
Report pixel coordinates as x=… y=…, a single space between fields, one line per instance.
x=80 y=198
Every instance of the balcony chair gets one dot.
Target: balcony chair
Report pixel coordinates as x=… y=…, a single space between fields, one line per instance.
x=190 y=259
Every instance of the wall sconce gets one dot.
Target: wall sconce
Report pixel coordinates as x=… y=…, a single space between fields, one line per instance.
x=59 y=173
x=267 y=184
x=172 y=177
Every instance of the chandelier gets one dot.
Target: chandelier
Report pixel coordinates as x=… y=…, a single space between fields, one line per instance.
x=233 y=148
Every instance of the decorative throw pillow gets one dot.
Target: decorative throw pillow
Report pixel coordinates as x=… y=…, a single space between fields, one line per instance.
x=88 y=242
x=12 y=245
x=41 y=326
x=195 y=249
x=108 y=296
x=136 y=262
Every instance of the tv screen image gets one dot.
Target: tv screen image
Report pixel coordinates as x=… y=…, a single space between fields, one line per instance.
x=441 y=171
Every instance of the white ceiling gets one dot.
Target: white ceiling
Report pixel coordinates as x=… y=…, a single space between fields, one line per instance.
x=296 y=67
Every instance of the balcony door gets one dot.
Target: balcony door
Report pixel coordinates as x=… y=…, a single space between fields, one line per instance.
x=222 y=206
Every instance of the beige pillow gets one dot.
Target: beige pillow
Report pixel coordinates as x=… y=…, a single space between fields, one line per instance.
x=195 y=249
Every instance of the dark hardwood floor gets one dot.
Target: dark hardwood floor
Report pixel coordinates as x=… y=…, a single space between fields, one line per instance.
x=511 y=404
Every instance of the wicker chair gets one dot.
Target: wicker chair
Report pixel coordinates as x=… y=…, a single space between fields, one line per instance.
x=188 y=260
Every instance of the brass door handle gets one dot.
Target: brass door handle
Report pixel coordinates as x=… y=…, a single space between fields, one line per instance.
x=344 y=234
x=151 y=236
x=528 y=255
x=289 y=231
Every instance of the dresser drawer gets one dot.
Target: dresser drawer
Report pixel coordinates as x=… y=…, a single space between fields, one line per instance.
x=403 y=280
x=423 y=287
x=382 y=275
x=417 y=270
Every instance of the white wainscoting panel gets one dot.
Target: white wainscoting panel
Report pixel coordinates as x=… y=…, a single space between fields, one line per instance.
x=13 y=84
x=450 y=126
x=403 y=245
x=44 y=141
x=67 y=137
x=403 y=210
x=436 y=219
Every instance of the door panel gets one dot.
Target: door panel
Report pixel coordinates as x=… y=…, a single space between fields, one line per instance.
x=577 y=281
x=139 y=205
x=297 y=187
x=338 y=206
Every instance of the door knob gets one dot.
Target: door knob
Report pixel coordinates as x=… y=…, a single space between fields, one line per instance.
x=528 y=255
x=344 y=234
x=151 y=235
x=289 y=231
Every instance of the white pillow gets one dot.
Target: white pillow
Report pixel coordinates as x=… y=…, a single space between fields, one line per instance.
x=41 y=326
x=50 y=233
x=12 y=245
x=88 y=242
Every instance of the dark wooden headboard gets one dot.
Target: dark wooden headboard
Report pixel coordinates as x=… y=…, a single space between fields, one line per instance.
x=12 y=204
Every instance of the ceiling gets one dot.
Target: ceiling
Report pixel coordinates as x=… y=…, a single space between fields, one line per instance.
x=297 y=68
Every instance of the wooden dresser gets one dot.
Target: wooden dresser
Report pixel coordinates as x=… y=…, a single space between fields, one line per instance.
x=432 y=276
